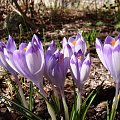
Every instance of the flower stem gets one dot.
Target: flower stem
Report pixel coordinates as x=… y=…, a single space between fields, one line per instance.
x=115 y=103
x=65 y=106
x=51 y=110
x=79 y=99
x=21 y=91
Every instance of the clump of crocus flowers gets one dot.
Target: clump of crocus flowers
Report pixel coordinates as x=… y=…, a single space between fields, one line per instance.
x=31 y=61
x=34 y=63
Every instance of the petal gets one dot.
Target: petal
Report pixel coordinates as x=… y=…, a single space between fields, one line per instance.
x=64 y=42
x=57 y=73
x=99 y=50
x=80 y=45
x=107 y=51
x=108 y=40
x=116 y=59
x=50 y=51
x=79 y=35
x=34 y=59
x=52 y=46
x=74 y=69
x=67 y=51
x=36 y=41
x=23 y=46
x=20 y=62
x=9 y=59
x=85 y=69
x=4 y=64
x=2 y=46
x=52 y=64
x=11 y=46
x=80 y=57
x=70 y=42
x=80 y=41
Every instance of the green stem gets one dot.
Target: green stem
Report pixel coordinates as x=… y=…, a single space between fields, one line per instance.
x=21 y=91
x=79 y=99
x=30 y=97
x=65 y=106
x=74 y=90
x=115 y=103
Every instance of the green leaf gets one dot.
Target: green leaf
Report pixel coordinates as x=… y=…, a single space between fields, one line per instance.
x=108 y=112
x=86 y=99
x=86 y=109
x=31 y=97
x=74 y=113
x=56 y=104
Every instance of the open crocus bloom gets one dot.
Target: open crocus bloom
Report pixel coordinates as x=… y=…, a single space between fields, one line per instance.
x=109 y=54
x=80 y=67
x=28 y=60
x=76 y=43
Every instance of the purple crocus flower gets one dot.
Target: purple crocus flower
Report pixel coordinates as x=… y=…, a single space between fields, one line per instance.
x=80 y=67
x=10 y=45
x=109 y=54
x=76 y=43
x=57 y=66
x=28 y=60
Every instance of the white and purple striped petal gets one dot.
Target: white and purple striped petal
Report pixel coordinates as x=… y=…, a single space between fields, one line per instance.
x=11 y=46
x=116 y=60
x=99 y=50
x=75 y=69
x=85 y=69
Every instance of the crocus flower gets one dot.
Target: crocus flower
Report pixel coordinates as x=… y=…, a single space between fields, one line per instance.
x=109 y=54
x=5 y=65
x=57 y=63
x=28 y=60
x=77 y=43
x=56 y=70
x=80 y=67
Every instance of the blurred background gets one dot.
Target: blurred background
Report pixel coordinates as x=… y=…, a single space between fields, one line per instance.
x=54 y=19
